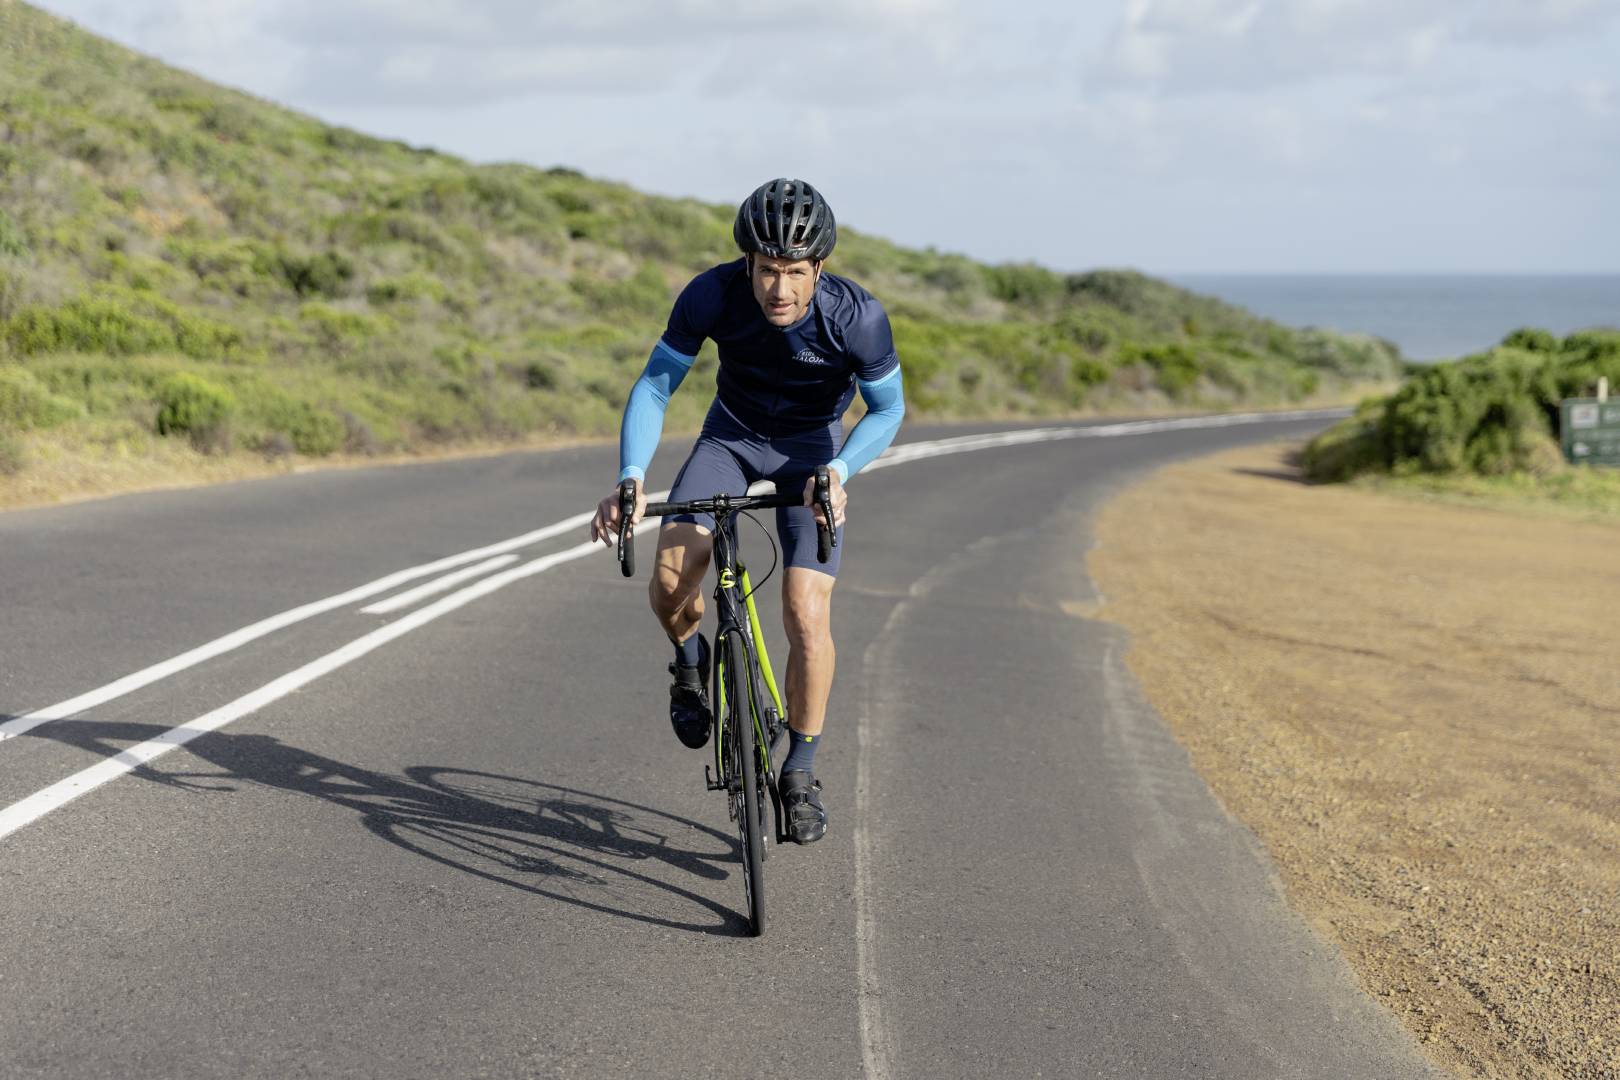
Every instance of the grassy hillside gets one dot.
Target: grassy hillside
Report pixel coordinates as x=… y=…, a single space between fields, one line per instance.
x=183 y=265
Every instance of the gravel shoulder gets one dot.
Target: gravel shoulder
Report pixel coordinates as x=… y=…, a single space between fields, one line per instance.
x=1416 y=708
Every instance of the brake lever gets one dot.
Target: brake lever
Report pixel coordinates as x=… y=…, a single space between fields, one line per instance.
x=827 y=535
x=627 y=541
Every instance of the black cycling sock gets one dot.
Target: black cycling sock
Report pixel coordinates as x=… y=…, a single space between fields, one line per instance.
x=801 y=751
x=686 y=652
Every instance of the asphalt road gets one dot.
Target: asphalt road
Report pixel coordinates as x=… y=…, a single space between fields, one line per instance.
x=459 y=839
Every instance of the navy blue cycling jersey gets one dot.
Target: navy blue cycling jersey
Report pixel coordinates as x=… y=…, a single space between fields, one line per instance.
x=782 y=380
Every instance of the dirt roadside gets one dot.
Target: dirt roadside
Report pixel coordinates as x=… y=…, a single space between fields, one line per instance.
x=1416 y=708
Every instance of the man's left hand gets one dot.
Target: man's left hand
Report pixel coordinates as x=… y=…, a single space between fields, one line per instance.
x=835 y=489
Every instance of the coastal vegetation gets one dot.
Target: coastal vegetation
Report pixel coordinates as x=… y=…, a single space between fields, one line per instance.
x=1484 y=426
x=183 y=265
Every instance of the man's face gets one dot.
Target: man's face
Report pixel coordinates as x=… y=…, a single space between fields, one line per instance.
x=784 y=288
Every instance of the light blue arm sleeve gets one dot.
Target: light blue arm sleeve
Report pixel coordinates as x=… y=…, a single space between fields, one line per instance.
x=644 y=412
x=885 y=406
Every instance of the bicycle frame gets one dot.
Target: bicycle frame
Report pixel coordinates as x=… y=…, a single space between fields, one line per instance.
x=738 y=616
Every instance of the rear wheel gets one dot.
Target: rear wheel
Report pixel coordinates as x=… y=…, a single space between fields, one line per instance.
x=747 y=796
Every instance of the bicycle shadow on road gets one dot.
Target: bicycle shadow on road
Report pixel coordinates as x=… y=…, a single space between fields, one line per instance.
x=561 y=843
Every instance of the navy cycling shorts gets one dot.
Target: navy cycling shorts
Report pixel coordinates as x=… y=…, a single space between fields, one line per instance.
x=728 y=457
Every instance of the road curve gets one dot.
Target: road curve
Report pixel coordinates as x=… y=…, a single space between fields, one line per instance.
x=456 y=837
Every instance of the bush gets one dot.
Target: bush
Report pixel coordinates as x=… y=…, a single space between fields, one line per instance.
x=313 y=432
x=340 y=330
x=12 y=239
x=121 y=322
x=409 y=287
x=1175 y=366
x=1531 y=339
x=191 y=405
x=25 y=404
x=1023 y=283
x=643 y=296
x=1491 y=414
x=1347 y=449
x=325 y=274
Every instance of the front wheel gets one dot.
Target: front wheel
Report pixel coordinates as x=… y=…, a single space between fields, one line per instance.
x=742 y=767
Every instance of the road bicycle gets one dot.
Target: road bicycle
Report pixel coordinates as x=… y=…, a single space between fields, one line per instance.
x=748 y=716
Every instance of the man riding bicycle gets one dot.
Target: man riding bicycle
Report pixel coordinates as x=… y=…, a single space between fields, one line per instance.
x=795 y=344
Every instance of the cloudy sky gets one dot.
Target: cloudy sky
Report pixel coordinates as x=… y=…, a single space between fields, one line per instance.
x=1171 y=135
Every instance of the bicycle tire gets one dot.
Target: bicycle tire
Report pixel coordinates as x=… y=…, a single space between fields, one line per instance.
x=743 y=755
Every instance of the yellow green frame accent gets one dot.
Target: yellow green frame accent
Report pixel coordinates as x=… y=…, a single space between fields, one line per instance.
x=759 y=645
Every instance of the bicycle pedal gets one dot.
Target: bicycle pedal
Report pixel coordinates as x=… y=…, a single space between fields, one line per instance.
x=711 y=782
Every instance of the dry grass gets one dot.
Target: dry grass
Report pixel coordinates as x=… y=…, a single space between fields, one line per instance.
x=1416 y=706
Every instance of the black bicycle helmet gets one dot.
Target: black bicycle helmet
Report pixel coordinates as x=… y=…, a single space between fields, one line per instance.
x=786 y=219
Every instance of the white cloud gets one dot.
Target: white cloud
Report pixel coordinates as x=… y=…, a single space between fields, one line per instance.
x=1194 y=46
x=1186 y=134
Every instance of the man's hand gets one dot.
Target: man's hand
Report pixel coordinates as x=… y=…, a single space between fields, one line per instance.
x=835 y=489
x=605 y=525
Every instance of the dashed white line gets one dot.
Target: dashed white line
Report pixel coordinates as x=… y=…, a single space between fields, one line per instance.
x=236 y=639
x=65 y=791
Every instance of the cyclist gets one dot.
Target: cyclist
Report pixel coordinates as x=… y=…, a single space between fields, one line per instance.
x=795 y=345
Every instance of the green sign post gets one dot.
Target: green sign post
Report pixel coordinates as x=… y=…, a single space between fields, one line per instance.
x=1590 y=429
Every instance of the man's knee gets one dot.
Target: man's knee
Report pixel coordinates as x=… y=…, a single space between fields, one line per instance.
x=807 y=609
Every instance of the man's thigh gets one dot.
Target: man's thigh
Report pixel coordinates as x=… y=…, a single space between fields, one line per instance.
x=712 y=468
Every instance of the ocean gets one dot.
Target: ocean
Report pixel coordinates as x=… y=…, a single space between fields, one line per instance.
x=1431 y=317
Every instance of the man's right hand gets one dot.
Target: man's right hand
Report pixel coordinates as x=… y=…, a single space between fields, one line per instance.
x=605 y=525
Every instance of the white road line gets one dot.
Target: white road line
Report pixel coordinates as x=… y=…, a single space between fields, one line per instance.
x=59 y=794
x=900 y=455
x=35 y=806
x=411 y=596
x=236 y=639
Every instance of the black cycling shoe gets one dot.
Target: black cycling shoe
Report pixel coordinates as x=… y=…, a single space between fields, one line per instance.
x=689 y=712
x=801 y=800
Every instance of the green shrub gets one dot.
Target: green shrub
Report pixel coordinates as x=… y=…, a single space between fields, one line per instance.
x=324 y=274
x=1023 y=283
x=643 y=296
x=1348 y=449
x=538 y=375
x=119 y=321
x=408 y=287
x=314 y=432
x=1088 y=329
x=192 y=406
x=25 y=404
x=1531 y=339
x=1086 y=372
x=13 y=241
x=1175 y=366
x=1492 y=414
x=341 y=330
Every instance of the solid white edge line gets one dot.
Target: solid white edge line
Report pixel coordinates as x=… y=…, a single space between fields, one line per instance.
x=439 y=585
x=39 y=804
x=236 y=639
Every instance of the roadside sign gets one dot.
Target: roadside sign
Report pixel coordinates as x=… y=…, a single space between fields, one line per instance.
x=1590 y=431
